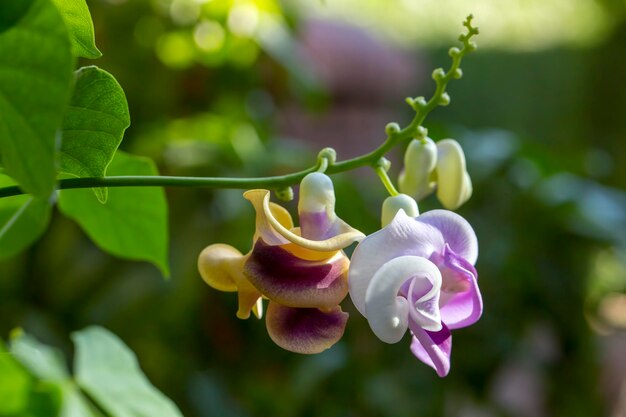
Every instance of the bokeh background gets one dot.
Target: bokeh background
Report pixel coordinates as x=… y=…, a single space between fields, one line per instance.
x=257 y=87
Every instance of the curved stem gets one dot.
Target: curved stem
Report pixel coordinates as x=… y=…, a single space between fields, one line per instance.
x=394 y=137
x=323 y=165
x=384 y=178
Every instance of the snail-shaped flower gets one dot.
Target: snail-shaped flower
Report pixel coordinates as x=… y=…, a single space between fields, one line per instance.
x=442 y=166
x=302 y=271
x=418 y=273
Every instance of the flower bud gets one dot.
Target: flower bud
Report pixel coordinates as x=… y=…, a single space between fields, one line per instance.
x=392 y=205
x=392 y=128
x=317 y=194
x=454 y=186
x=284 y=194
x=420 y=161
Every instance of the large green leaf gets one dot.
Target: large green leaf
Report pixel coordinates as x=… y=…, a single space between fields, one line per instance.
x=21 y=395
x=78 y=21
x=23 y=219
x=133 y=222
x=36 y=65
x=93 y=125
x=47 y=364
x=108 y=371
x=14 y=385
x=41 y=360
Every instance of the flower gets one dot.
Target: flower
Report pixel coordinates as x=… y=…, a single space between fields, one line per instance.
x=442 y=166
x=418 y=273
x=302 y=271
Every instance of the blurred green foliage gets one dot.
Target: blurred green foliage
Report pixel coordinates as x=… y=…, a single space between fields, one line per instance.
x=545 y=137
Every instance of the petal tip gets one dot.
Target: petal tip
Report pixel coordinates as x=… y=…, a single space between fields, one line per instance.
x=213 y=264
x=305 y=330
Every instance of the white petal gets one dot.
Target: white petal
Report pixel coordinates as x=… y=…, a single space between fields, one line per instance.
x=388 y=313
x=426 y=308
x=456 y=232
x=429 y=316
x=403 y=236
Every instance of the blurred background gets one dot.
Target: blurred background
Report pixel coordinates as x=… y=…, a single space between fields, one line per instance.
x=257 y=87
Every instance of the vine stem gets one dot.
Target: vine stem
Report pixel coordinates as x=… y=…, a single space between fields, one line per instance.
x=395 y=136
x=273 y=182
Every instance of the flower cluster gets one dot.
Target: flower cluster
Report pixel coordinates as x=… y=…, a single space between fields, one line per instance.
x=301 y=271
x=416 y=273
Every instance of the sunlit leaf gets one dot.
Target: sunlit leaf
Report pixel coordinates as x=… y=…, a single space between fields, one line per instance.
x=35 y=80
x=93 y=125
x=133 y=222
x=23 y=219
x=21 y=395
x=14 y=384
x=80 y=26
x=108 y=371
x=41 y=360
x=47 y=364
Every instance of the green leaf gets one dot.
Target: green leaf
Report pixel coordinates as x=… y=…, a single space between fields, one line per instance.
x=23 y=219
x=93 y=125
x=21 y=395
x=79 y=24
x=35 y=80
x=12 y=12
x=15 y=385
x=133 y=222
x=108 y=371
x=48 y=364
x=42 y=361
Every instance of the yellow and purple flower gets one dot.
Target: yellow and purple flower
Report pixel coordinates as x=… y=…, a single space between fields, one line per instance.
x=418 y=273
x=301 y=270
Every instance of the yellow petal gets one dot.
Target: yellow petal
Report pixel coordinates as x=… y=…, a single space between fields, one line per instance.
x=273 y=232
x=221 y=266
x=214 y=264
x=249 y=301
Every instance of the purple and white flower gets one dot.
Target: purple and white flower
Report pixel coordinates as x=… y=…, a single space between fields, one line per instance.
x=418 y=273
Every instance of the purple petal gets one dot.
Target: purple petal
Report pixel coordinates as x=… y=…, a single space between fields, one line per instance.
x=316 y=226
x=289 y=280
x=432 y=348
x=403 y=236
x=305 y=330
x=461 y=303
x=324 y=226
x=456 y=232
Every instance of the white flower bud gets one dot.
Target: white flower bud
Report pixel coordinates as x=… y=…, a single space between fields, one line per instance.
x=317 y=194
x=420 y=161
x=454 y=186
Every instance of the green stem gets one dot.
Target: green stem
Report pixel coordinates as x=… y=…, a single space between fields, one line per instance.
x=395 y=136
x=384 y=178
x=323 y=165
